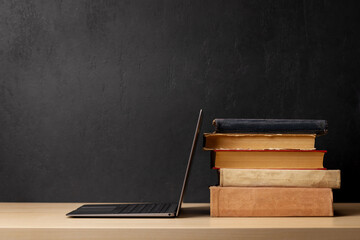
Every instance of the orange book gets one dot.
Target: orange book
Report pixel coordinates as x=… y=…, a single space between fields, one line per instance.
x=276 y=159
x=238 y=141
x=270 y=202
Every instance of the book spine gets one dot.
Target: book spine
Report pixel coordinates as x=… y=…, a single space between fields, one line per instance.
x=291 y=126
x=268 y=159
x=279 y=178
x=235 y=141
x=268 y=202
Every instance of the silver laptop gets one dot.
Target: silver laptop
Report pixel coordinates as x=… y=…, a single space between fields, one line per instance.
x=140 y=209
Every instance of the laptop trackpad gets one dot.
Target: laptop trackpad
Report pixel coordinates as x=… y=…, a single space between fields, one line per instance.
x=94 y=209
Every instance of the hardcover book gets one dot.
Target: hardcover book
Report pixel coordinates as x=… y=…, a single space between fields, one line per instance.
x=279 y=178
x=277 y=159
x=218 y=141
x=297 y=126
x=270 y=202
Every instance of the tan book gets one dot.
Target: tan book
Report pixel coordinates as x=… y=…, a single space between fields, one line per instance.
x=234 y=141
x=279 y=178
x=277 y=159
x=270 y=202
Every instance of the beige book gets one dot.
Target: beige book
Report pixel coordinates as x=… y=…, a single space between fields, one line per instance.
x=278 y=159
x=279 y=178
x=213 y=141
x=270 y=202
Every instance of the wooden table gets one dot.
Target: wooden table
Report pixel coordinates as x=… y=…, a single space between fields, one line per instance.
x=48 y=221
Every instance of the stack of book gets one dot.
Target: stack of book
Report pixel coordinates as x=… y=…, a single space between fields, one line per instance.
x=269 y=167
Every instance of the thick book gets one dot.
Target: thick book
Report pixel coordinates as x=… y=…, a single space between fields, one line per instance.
x=279 y=178
x=218 y=141
x=270 y=202
x=297 y=126
x=276 y=159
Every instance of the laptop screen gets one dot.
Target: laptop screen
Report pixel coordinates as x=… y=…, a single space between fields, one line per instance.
x=192 y=151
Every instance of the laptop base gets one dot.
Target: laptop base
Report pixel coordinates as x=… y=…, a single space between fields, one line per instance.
x=126 y=210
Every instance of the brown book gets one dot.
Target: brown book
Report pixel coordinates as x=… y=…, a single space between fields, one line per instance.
x=277 y=159
x=213 y=141
x=270 y=202
x=230 y=177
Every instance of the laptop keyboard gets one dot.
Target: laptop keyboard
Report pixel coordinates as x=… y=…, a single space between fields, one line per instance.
x=143 y=208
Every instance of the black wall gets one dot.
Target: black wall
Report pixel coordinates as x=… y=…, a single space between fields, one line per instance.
x=99 y=99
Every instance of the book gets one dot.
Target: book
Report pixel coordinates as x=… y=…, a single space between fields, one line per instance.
x=214 y=141
x=279 y=178
x=297 y=126
x=270 y=202
x=285 y=159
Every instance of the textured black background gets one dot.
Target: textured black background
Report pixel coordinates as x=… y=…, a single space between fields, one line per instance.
x=99 y=99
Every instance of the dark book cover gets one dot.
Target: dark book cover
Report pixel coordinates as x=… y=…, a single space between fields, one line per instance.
x=275 y=126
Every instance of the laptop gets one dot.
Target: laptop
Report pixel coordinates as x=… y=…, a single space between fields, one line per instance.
x=141 y=209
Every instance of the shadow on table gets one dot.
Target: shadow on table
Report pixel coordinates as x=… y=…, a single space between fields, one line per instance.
x=194 y=212
x=340 y=210
x=346 y=209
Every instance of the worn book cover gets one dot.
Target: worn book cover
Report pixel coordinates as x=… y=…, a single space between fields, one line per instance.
x=279 y=178
x=270 y=202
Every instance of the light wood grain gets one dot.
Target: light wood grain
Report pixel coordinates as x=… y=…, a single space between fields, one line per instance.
x=48 y=221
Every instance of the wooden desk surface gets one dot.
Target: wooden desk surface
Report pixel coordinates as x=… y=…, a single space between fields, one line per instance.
x=48 y=221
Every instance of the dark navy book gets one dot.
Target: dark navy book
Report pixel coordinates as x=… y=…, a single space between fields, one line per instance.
x=271 y=126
